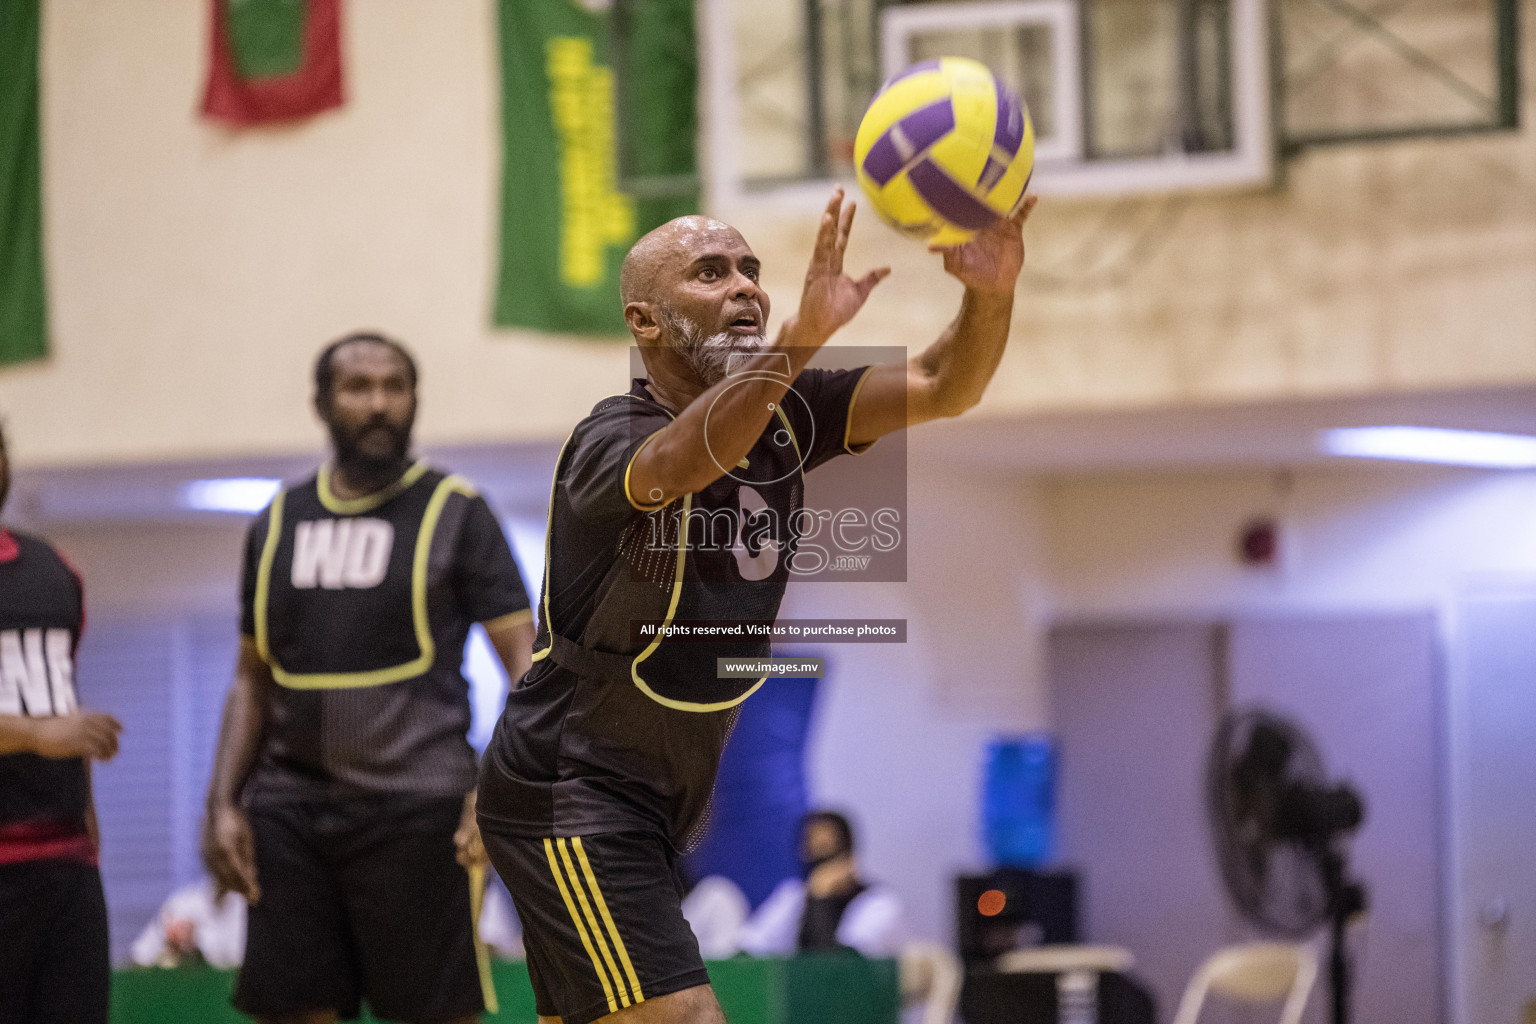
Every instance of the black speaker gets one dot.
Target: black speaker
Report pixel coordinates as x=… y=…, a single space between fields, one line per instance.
x=1012 y=908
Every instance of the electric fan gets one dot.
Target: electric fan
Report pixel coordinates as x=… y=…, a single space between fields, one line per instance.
x=1279 y=827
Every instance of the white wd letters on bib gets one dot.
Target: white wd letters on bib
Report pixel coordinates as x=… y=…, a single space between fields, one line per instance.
x=337 y=553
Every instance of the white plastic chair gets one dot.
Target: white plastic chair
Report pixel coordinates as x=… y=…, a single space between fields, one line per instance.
x=1256 y=972
x=930 y=974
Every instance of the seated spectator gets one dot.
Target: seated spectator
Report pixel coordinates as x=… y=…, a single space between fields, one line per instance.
x=193 y=927
x=833 y=908
x=715 y=909
x=499 y=927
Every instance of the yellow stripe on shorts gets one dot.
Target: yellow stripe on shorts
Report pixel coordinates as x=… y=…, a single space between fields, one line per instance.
x=586 y=908
x=613 y=930
x=581 y=929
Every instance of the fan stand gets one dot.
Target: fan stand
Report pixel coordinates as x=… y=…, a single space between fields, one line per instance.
x=1346 y=898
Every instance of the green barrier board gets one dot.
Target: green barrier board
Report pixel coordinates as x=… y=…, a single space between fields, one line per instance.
x=823 y=989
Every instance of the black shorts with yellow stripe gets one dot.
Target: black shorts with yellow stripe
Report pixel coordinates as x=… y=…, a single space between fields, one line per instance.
x=602 y=920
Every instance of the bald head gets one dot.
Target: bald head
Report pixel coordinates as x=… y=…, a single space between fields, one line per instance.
x=675 y=244
x=692 y=300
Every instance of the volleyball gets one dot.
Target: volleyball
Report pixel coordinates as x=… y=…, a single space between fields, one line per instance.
x=944 y=150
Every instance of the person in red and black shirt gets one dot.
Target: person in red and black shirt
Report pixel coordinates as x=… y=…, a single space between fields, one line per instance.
x=54 y=967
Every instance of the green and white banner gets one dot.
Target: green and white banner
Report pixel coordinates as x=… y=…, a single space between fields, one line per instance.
x=599 y=133
x=23 y=304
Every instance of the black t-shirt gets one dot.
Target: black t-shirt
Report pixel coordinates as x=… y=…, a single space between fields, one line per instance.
x=42 y=612
x=611 y=731
x=822 y=915
x=361 y=609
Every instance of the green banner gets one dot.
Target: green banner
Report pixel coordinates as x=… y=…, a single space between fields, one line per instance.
x=23 y=308
x=267 y=36
x=599 y=131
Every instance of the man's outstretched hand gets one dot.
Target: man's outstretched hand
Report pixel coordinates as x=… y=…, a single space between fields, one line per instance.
x=831 y=297
x=991 y=261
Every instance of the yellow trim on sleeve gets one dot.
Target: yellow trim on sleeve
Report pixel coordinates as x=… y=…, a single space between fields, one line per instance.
x=613 y=929
x=352 y=506
x=596 y=929
x=420 y=620
x=848 y=427
x=581 y=929
x=516 y=618
x=264 y=574
x=628 y=495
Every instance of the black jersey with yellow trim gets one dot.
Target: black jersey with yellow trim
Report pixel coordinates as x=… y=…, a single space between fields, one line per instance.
x=620 y=725
x=361 y=608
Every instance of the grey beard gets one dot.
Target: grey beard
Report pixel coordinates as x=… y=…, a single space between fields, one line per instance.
x=709 y=358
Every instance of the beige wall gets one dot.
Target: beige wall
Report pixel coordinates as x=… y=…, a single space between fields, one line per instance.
x=194 y=271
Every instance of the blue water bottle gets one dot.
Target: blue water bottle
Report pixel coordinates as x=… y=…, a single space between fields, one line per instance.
x=1019 y=801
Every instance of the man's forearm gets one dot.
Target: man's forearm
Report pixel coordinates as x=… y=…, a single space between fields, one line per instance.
x=240 y=734
x=513 y=643
x=719 y=428
x=960 y=364
x=18 y=735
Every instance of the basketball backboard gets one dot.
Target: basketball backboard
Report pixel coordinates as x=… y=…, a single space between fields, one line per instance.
x=1127 y=96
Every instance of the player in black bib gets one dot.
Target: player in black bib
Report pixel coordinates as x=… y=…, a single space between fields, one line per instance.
x=603 y=763
x=54 y=967
x=342 y=799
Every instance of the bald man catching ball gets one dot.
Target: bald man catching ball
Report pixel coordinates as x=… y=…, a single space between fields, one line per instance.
x=603 y=763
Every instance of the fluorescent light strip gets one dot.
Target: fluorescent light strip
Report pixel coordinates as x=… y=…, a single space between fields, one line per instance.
x=246 y=494
x=1480 y=448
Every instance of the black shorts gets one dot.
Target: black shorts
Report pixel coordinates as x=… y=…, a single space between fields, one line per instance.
x=54 y=965
x=602 y=920
x=360 y=898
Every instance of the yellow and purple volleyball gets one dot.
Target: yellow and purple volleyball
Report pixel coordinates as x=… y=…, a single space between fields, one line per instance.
x=944 y=150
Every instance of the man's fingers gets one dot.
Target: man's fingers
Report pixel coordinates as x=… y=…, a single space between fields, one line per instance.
x=844 y=224
x=225 y=874
x=821 y=255
x=100 y=741
x=468 y=848
x=1021 y=215
x=868 y=281
x=826 y=232
x=245 y=866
